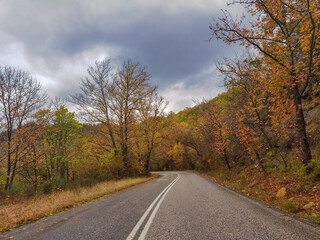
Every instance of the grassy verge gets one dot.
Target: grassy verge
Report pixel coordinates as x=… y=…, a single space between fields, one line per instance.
x=20 y=210
x=299 y=197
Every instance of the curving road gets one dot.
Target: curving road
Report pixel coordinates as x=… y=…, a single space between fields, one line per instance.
x=175 y=206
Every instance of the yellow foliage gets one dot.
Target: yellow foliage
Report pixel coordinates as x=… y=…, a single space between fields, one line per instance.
x=282 y=192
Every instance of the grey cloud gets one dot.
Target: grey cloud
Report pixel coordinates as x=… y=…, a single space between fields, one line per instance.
x=167 y=36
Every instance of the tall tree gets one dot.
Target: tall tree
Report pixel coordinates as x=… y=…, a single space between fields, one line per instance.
x=150 y=116
x=213 y=124
x=31 y=151
x=259 y=106
x=60 y=137
x=129 y=88
x=94 y=97
x=20 y=96
x=287 y=34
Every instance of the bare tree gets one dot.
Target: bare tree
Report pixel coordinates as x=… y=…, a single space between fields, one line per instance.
x=94 y=97
x=20 y=96
x=129 y=88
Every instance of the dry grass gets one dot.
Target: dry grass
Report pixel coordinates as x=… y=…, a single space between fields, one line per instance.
x=15 y=212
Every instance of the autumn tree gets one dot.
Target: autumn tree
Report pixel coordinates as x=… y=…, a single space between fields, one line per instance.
x=169 y=138
x=60 y=138
x=30 y=141
x=94 y=97
x=150 y=123
x=286 y=33
x=20 y=96
x=213 y=124
x=129 y=88
x=260 y=108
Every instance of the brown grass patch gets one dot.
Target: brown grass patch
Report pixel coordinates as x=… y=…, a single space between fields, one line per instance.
x=21 y=210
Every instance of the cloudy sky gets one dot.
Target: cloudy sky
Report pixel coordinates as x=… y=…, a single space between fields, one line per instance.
x=57 y=40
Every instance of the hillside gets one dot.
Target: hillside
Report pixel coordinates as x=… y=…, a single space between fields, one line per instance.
x=207 y=138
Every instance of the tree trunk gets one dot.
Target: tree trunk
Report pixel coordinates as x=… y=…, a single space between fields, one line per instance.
x=125 y=145
x=225 y=156
x=260 y=162
x=226 y=159
x=9 y=165
x=147 y=167
x=111 y=133
x=301 y=127
x=35 y=177
x=112 y=138
x=13 y=172
x=150 y=148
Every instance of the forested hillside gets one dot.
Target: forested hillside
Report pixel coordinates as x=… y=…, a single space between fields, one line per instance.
x=270 y=108
x=262 y=135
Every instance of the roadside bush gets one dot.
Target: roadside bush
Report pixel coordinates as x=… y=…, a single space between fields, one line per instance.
x=315 y=165
x=20 y=189
x=46 y=187
x=297 y=169
x=270 y=166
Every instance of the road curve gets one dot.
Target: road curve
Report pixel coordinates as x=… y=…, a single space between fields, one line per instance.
x=175 y=206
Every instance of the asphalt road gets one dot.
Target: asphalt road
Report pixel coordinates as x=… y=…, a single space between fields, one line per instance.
x=175 y=206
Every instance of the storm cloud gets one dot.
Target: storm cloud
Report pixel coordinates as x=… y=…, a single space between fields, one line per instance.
x=56 y=41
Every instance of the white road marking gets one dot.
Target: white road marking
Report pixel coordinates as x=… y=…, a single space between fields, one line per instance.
x=139 y=223
x=153 y=214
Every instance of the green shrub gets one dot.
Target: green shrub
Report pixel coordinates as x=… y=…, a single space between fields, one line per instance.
x=299 y=188
x=20 y=189
x=82 y=182
x=297 y=169
x=243 y=178
x=290 y=206
x=315 y=165
x=46 y=187
x=270 y=165
x=51 y=186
